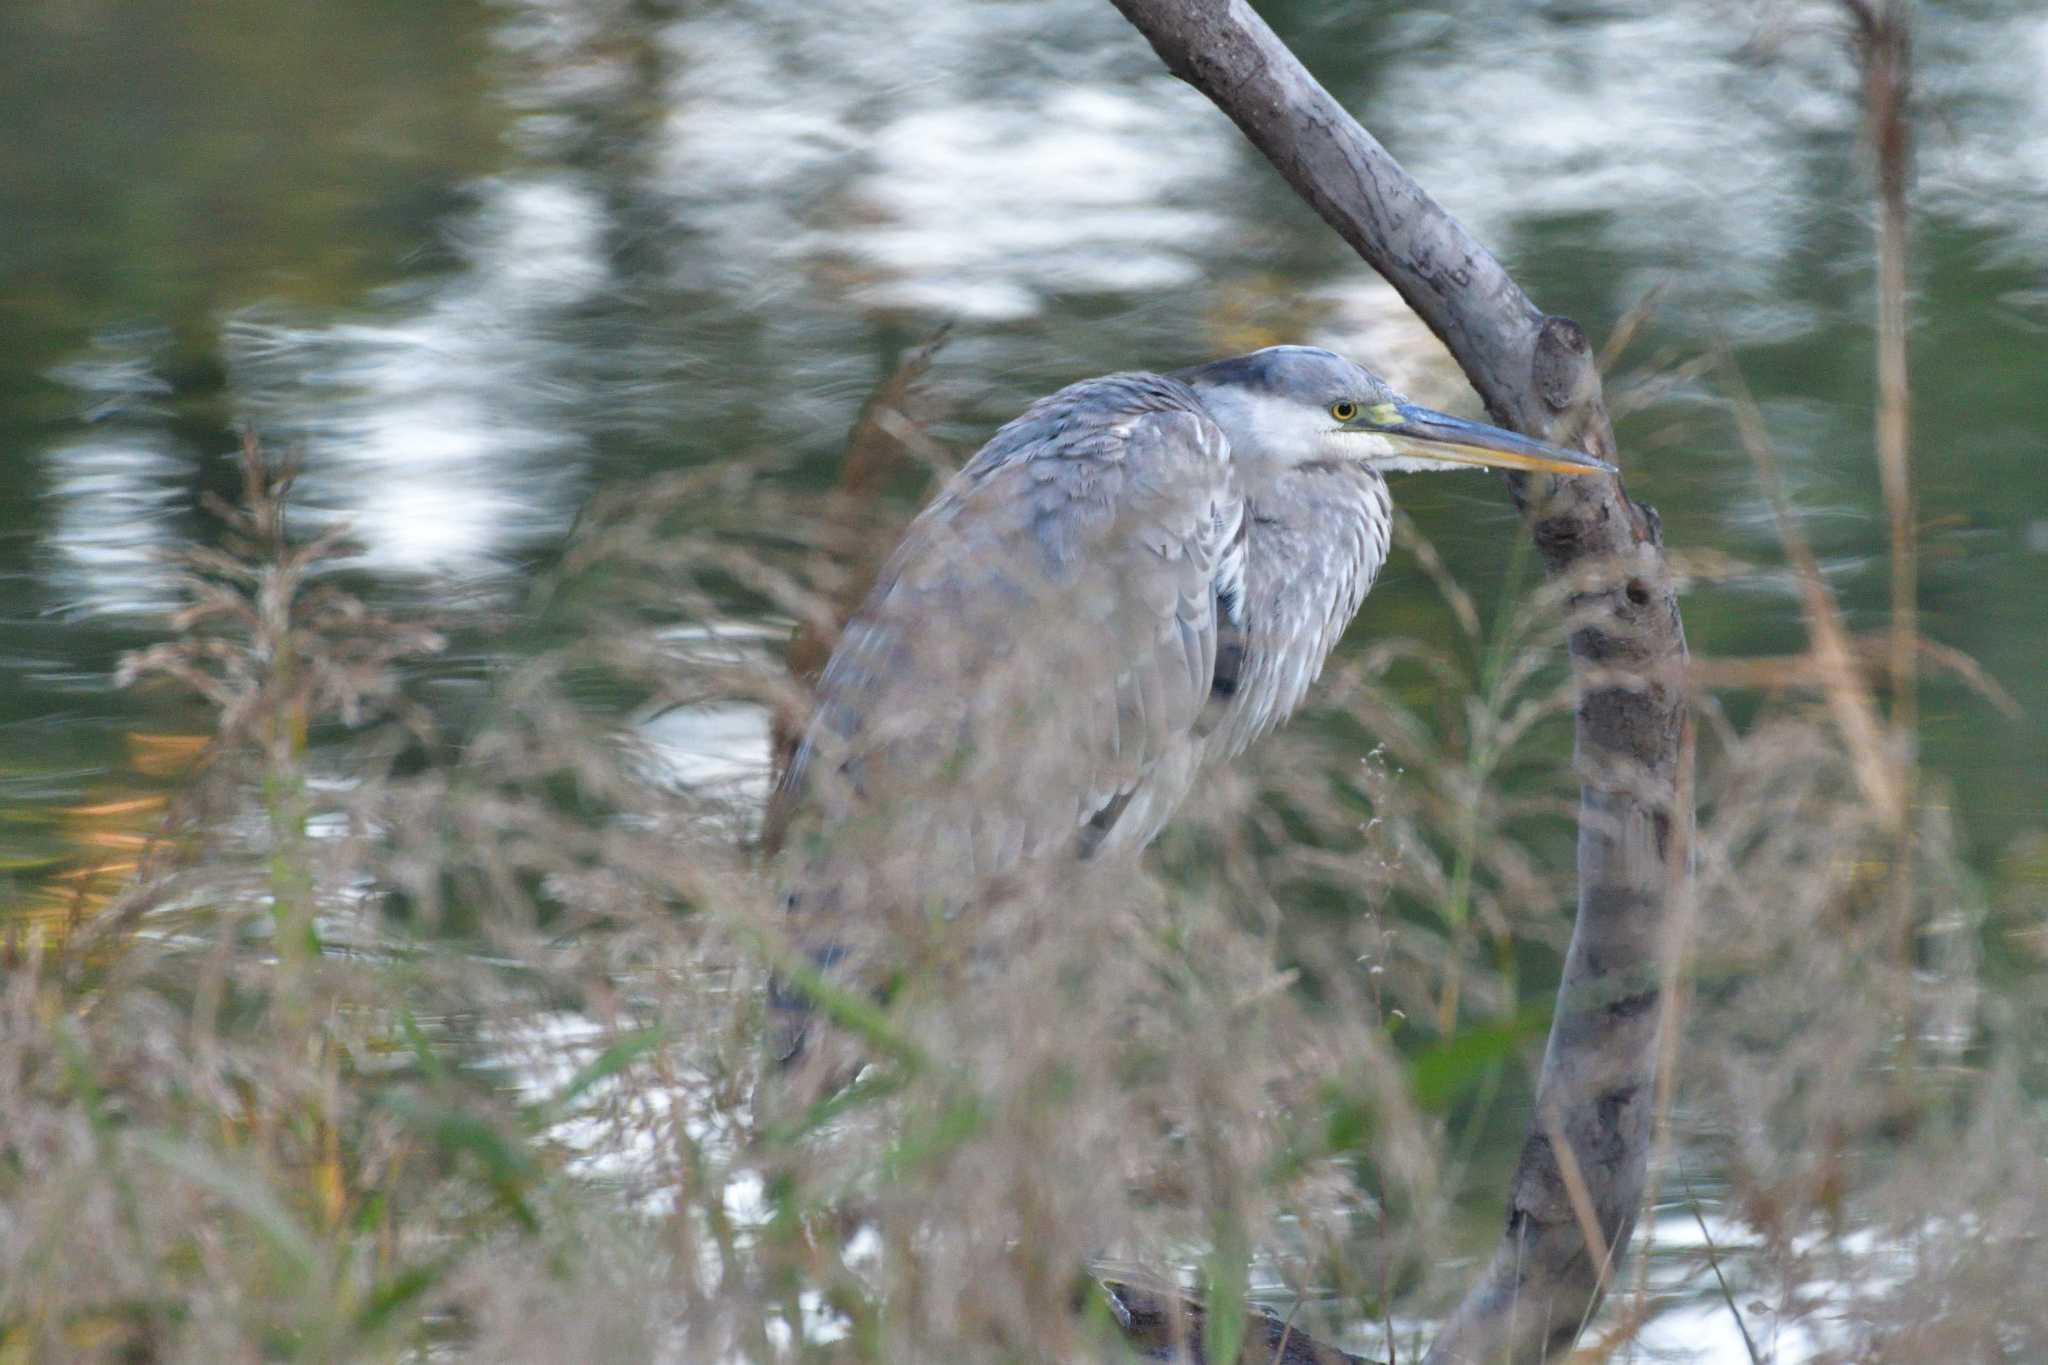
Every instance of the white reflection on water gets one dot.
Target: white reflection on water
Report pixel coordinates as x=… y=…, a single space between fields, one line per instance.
x=440 y=430
x=981 y=217
x=953 y=159
x=1686 y=163
x=1985 y=160
x=114 y=494
x=451 y=425
x=1705 y=147
x=115 y=489
x=720 y=751
x=1818 y=1318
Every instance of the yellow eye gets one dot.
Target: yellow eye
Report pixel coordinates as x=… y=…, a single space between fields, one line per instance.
x=1343 y=411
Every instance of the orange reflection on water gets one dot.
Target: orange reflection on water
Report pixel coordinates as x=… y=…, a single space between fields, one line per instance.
x=164 y=755
x=104 y=840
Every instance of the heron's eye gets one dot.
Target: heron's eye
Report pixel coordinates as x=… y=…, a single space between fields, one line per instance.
x=1343 y=410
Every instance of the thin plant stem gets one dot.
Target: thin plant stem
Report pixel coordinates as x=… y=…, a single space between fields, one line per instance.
x=1884 y=49
x=1714 y=1262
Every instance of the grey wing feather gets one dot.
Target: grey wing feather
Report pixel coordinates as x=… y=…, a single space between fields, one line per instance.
x=1232 y=639
x=1028 y=675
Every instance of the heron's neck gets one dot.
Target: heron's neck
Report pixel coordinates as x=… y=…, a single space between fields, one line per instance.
x=1316 y=537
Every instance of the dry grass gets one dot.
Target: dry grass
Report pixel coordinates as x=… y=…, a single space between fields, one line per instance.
x=413 y=1043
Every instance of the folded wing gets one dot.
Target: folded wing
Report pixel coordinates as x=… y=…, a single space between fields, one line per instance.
x=1027 y=678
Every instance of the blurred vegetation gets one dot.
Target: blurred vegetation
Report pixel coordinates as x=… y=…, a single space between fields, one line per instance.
x=412 y=1043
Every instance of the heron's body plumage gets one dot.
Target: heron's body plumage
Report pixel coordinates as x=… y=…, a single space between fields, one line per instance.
x=1039 y=652
x=1135 y=578
x=1315 y=539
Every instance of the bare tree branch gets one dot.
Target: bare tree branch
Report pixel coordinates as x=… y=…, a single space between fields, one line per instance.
x=1535 y=373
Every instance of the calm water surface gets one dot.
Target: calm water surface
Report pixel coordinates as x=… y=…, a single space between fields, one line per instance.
x=477 y=260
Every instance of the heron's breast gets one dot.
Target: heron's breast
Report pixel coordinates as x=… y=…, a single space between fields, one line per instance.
x=1312 y=552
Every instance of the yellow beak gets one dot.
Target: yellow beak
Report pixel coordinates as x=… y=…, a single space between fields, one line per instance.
x=1453 y=440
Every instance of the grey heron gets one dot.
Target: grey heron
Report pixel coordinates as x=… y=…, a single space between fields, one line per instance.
x=1133 y=580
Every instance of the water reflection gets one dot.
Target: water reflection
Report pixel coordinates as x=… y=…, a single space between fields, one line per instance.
x=1986 y=163
x=455 y=421
x=971 y=160
x=117 y=486
x=1705 y=151
x=443 y=432
x=1688 y=166
x=988 y=218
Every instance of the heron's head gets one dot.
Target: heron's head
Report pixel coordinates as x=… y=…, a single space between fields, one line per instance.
x=1297 y=405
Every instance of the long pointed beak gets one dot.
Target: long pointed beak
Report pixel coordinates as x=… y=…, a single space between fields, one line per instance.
x=1453 y=440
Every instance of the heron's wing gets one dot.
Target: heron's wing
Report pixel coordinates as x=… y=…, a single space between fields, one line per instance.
x=1027 y=677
